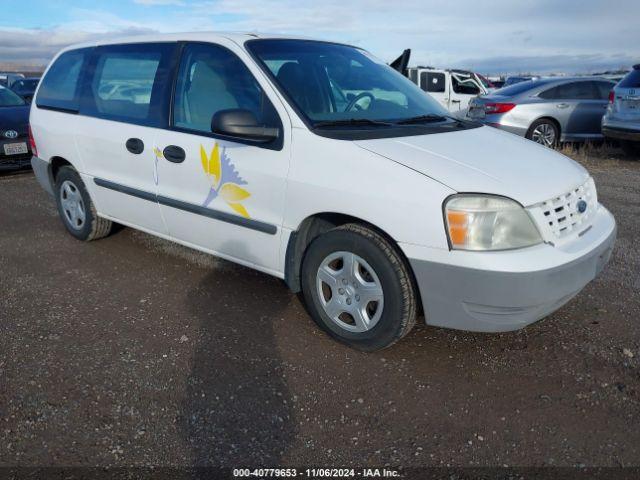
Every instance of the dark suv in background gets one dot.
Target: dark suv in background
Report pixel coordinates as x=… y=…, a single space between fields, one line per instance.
x=622 y=120
x=26 y=87
x=15 y=151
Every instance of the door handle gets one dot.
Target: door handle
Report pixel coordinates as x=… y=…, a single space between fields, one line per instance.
x=174 y=154
x=135 y=146
x=562 y=105
x=455 y=101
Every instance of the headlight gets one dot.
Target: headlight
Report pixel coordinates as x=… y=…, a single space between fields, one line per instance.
x=486 y=222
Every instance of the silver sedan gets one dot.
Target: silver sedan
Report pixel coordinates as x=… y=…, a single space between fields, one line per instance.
x=547 y=111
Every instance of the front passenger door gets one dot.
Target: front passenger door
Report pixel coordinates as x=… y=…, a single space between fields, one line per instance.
x=220 y=194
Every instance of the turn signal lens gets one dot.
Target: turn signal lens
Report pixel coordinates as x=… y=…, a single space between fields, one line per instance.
x=486 y=222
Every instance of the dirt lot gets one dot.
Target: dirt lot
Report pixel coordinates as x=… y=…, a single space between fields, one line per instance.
x=133 y=351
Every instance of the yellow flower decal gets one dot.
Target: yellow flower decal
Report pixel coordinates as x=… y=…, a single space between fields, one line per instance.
x=225 y=180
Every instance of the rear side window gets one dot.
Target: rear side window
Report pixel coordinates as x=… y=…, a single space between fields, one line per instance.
x=130 y=83
x=59 y=89
x=632 y=80
x=432 y=82
x=571 y=91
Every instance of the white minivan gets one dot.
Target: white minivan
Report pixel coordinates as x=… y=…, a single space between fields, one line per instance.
x=377 y=205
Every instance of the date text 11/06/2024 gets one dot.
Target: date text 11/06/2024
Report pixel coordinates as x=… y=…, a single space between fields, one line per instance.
x=317 y=472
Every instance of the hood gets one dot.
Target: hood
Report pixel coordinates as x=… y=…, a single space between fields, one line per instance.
x=15 y=118
x=485 y=160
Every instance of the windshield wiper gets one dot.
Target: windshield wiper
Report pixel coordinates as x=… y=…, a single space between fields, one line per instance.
x=423 y=119
x=352 y=122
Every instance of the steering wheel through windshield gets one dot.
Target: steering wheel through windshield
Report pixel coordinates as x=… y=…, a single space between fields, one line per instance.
x=354 y=101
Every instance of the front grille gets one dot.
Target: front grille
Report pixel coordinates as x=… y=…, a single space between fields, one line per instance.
x=559 y=218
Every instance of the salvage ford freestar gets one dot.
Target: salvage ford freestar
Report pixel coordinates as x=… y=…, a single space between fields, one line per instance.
x=319 y=164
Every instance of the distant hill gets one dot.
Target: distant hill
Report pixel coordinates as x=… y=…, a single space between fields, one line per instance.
x=27 y=70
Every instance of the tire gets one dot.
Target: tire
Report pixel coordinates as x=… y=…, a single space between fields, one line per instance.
x=537 y=132
x=380 y=274
x=631 y=149
x=76 y=209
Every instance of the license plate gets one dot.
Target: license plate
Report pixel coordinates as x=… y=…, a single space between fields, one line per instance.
x=632 y=104
x=476 y=112
x=15 y=148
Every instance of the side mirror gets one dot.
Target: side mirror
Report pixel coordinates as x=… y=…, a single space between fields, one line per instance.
x=242 y=124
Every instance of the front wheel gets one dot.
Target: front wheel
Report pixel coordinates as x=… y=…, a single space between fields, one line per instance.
x=76 y=208
x=358 y=288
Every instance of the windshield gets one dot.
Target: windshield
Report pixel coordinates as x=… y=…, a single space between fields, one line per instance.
x=329 y=82
x=10 y=99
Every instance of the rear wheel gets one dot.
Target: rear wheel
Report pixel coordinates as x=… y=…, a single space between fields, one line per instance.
x=76 y=209
x=545 y=132
x=632 y=149
x=358 y=288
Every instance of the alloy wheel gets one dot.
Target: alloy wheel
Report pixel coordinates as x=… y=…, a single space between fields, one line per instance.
x=544 y=134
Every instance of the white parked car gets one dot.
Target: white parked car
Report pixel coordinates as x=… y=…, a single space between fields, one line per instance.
x=376 y=205
x=453 y=89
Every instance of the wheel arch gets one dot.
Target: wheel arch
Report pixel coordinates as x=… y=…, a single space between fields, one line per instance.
x=55 y=164
x=545 y=117
x=314 y=226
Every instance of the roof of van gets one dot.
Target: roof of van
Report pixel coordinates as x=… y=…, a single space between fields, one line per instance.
x=238 y=37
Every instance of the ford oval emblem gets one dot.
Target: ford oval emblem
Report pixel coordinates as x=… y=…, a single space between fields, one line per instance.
x=582 y=206
x=11 y=134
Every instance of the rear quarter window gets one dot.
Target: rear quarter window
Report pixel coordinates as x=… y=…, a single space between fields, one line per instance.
x=603 y=89
x=59 y=89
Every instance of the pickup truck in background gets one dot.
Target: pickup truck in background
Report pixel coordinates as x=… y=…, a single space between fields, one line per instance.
x=453 y=89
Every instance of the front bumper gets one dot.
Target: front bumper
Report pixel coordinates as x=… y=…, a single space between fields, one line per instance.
x=510 y=290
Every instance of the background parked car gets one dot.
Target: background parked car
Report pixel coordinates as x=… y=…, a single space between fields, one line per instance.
x=26 y=87
x=14 y=131
x=547 y=111
x=497 y=82
x=486 y=83
x=451 y=88
x=8 y=79
x=622 y=120
x=517 y=79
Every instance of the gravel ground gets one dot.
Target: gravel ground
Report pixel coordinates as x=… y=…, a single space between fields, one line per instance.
x=134 y=351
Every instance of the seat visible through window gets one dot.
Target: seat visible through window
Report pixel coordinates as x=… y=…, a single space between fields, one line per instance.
x=212 y=79
x=206 y=94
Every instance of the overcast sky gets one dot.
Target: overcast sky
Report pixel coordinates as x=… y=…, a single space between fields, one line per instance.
x=510 y=36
